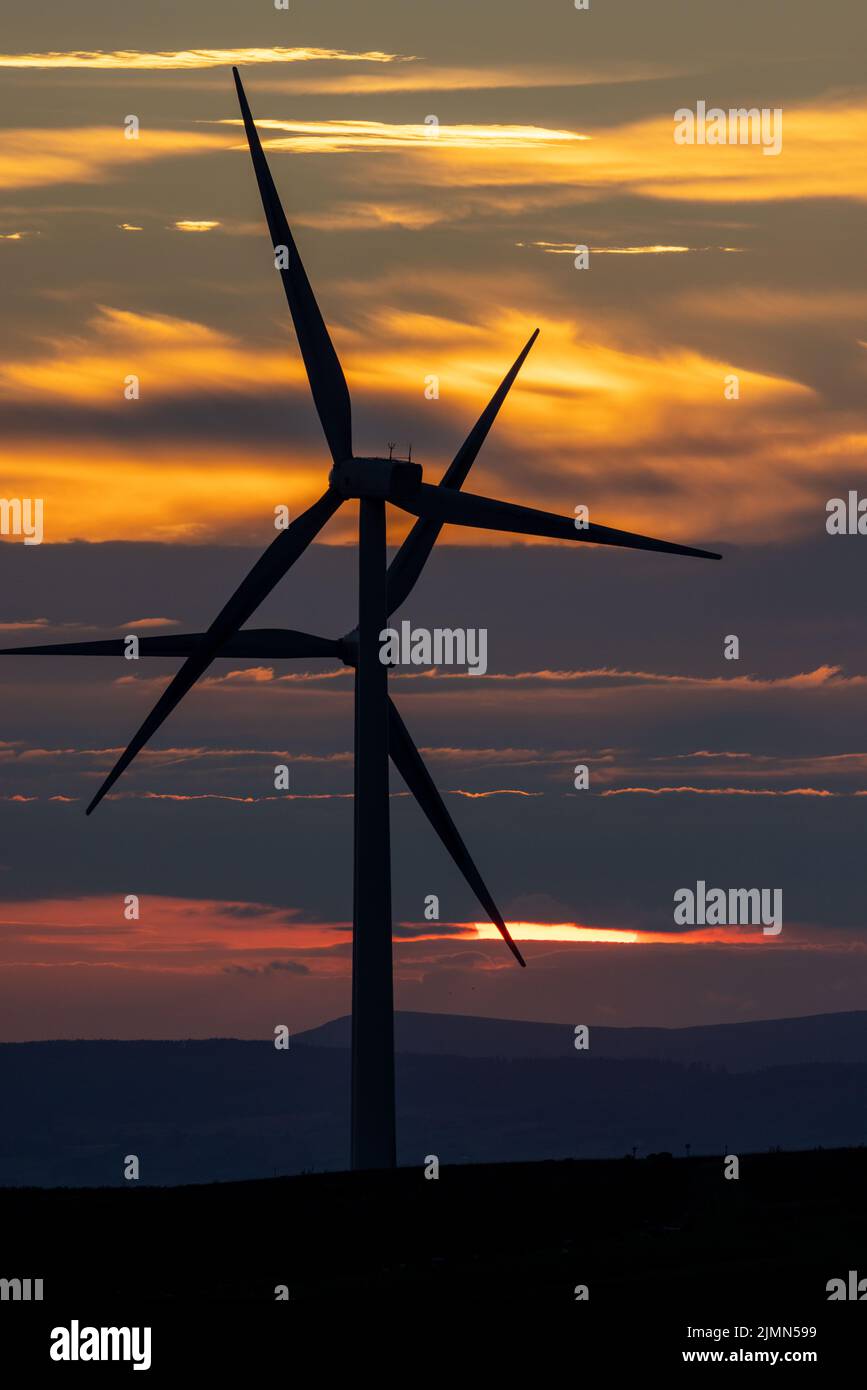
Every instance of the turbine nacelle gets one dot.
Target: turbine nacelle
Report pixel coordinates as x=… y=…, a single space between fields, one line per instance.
x=349 y=648
x=387 y=479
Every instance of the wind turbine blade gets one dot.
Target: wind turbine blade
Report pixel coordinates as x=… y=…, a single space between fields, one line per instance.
x=410 y=560
x=257 y=643
x=268 y=570
x=456 y=474
x=327 y=382
x=410 y=765
x=467 y=509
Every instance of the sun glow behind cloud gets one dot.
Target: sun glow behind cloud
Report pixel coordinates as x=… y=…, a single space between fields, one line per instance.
x=196 y=934
x=643 y=400
x=633 y=397
x=616 y=936
x=189 y=225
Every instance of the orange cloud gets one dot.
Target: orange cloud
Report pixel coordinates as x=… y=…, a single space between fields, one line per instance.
x=178 y=933
x=33 y=625
x=821 y=157
x=633 y=403
x=169 y=355
x=31 y=158
x=134 y=624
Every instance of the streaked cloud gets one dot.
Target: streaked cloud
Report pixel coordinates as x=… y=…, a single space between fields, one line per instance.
x=342 y=137
x=717 y=791
x=136 y=59
x=822 y=678
x=496 y=791
x=99 y=758
x=134 y=624
x=559 y=248
x=238 y=800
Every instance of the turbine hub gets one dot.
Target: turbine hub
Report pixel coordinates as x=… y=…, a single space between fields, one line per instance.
x=389 y=479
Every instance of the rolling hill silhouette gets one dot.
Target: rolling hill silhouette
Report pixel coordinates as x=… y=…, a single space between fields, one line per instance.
x=470 y=1090
x=735 y=1046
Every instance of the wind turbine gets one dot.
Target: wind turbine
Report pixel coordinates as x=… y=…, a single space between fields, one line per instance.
x=379 y=730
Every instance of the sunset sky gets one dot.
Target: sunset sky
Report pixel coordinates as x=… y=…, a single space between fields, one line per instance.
x=439 y=165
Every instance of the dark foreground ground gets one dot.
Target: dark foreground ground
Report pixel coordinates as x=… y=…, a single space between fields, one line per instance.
x=662 y=1245
x=656 y=1229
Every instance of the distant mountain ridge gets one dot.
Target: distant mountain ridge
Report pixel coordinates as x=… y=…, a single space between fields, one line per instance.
x=736 y=1046
x=471 y=1090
